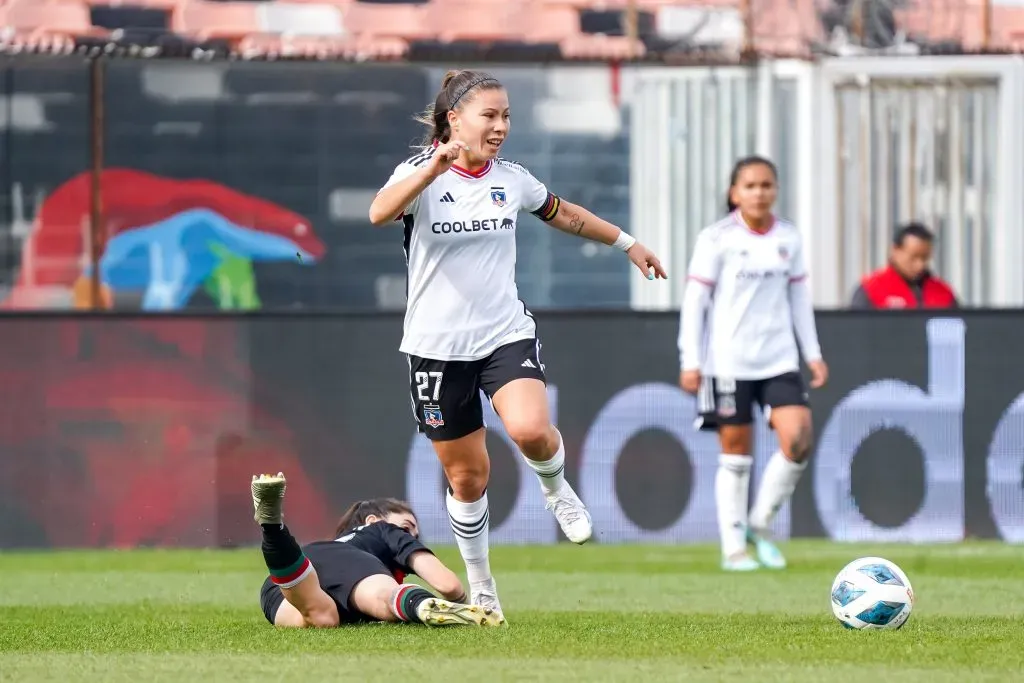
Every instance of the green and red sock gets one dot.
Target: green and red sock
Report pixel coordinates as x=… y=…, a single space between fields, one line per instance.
x=285 y=560
x=406 y=599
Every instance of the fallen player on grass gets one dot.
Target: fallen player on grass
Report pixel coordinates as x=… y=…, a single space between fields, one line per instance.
x=357 y=577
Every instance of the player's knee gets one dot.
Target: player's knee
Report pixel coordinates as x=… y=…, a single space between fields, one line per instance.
x=468 y=480
x=321 y=618
x=735 y=441
x=532 y=436
x=800 y=444
x=795 y=434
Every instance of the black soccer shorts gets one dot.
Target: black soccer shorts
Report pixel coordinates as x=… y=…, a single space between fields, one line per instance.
x=446 y=394
x=339 y=567
x=731 y=402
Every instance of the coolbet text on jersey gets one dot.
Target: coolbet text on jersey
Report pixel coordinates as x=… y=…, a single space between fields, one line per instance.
x=460 y=246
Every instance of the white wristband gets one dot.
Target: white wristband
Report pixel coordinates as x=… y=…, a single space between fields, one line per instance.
x=624 y=241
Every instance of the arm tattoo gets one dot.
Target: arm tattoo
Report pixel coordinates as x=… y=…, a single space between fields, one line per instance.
x=576 y=224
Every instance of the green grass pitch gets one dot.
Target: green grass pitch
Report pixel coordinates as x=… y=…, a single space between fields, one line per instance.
x=596 y=613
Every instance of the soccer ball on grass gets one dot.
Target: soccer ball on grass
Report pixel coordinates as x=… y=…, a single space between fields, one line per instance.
x=872 y=593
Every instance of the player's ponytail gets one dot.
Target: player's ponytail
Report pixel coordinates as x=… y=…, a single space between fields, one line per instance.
x=436 y=115
x=730 y=205
x=457 y=88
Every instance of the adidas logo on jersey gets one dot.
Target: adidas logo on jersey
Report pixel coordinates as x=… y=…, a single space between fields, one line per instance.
x=447 y=198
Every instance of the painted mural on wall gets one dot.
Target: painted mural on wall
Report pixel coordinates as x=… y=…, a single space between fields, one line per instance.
x=165 y=242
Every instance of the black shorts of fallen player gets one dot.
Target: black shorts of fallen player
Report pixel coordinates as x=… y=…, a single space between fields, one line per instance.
x=339 y=568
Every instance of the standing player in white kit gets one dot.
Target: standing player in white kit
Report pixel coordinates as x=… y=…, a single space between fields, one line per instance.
x=746 y=294
x=466 y=329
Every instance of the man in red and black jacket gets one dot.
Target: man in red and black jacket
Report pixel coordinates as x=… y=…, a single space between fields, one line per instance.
x=906 y=282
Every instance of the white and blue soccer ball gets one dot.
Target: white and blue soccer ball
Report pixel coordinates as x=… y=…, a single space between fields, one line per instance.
x=872 y=593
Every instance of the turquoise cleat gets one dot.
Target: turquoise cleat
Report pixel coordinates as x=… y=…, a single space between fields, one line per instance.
x=768 y=554
x=744 y=563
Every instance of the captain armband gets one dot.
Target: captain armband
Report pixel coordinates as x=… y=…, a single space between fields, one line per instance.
x=549 y=209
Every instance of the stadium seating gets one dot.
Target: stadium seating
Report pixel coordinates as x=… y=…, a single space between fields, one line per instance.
x=55 y=17
x=468 y=29
x=361 y=29
x=216 y=19
x=404 y=21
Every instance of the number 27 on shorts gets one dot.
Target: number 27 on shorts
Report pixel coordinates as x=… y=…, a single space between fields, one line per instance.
x=432 y=416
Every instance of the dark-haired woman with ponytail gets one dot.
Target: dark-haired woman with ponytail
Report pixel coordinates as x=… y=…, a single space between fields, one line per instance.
x=745 y=308
x=466 y=329
x=359 y=576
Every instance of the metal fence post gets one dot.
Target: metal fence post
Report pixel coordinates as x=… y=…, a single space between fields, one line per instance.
x=97 y=230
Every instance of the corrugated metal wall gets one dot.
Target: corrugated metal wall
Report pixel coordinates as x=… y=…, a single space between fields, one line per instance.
x=689 y=126
x=920 y=150
x=862 y=145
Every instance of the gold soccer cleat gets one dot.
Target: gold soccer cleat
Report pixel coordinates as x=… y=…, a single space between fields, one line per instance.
x=268 y=497
x=438 y=612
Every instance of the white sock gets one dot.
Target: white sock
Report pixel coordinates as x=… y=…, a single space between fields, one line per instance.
x=550 y=473
x=777 y=485
x=732 y=486
x=470 y=522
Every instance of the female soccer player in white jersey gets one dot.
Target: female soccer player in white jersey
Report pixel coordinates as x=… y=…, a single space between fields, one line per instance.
x=745 y=295
x=466 y=329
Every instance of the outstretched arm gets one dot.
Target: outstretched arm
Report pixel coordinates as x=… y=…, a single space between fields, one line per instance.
x=442 y=579
x=576 y=220
x=412 y=556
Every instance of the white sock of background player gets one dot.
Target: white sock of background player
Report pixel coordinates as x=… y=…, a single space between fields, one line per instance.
x=732 y=488
x=777 y=484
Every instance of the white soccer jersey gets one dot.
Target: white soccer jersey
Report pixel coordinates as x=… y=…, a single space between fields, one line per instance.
x=460 y=247
x=757 y=297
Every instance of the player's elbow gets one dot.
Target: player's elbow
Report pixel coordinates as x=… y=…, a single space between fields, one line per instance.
x=449 y=586
x=378 y=215
x=454 y=592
